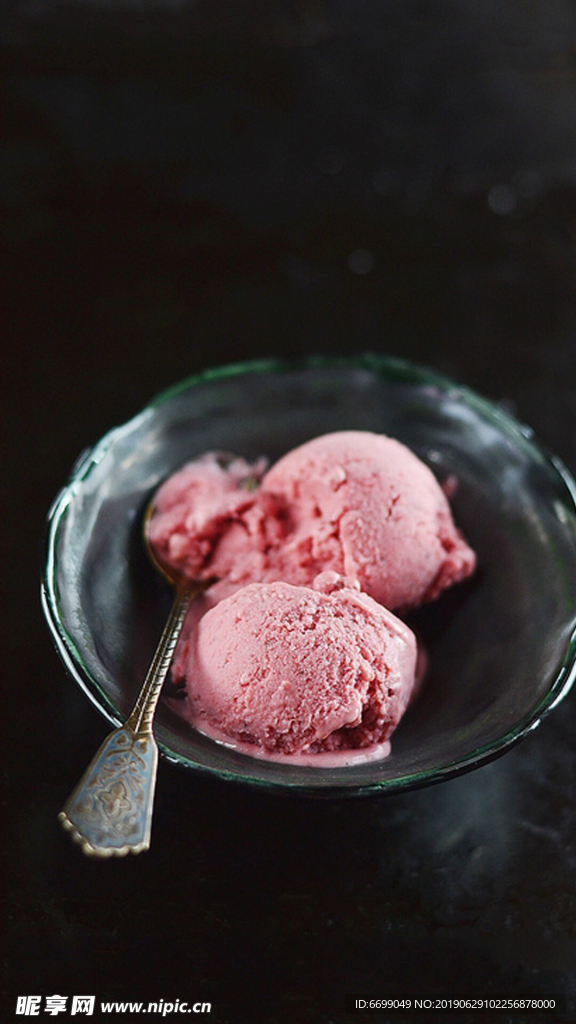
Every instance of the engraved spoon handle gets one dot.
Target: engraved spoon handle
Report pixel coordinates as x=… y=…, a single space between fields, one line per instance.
x=110 y=810
x=140 y=720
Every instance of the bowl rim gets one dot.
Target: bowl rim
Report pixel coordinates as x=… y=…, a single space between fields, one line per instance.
x=394 y=369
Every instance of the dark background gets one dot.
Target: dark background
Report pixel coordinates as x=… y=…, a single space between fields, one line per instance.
x=186 y=184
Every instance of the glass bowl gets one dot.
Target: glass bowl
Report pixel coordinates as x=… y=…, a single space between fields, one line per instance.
x=501 y=646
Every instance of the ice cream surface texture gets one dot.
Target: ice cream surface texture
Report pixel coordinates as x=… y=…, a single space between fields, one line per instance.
x=356 y=503
x=293 y=669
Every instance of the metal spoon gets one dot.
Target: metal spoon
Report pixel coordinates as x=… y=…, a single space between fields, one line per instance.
x=110 y=811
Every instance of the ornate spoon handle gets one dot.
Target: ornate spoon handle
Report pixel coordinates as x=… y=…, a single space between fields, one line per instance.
x=110 y=811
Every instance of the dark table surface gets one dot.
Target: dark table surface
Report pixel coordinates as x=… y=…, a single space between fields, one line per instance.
x=184 y=185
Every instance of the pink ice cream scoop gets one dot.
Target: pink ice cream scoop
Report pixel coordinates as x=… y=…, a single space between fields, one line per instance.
x=364 y=505
x=353 y=502
x=199 y=506
x=291 y=669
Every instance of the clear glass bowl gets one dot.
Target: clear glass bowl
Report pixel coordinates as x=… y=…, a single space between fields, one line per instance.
x=502 y=646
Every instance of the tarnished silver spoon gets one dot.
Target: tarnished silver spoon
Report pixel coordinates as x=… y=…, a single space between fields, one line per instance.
x=110 y=811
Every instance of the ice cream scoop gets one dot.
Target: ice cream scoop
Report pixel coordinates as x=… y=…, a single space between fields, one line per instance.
x=364 y=505
x=207 y=505
x=294 y=670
